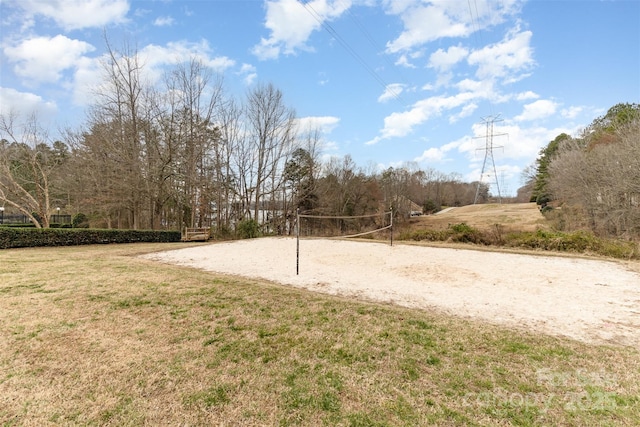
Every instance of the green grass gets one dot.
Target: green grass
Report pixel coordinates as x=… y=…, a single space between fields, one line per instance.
x=94 y=335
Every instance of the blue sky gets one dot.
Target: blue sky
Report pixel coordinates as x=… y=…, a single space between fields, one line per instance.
x=388 y=82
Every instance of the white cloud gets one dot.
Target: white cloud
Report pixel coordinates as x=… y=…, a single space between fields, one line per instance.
x=426 y=21
x=325 y=123
x=87 y=77
x=428 y=86
x=510 y=141
x=248 y=73
x=537 y=110
x=444 y=60
x=503 y=62
x=571 y=112
x=23 y=104
x=506 y=59
x=482 y=88
x=431 y=155
x=391 y=91
x=78 y=14
x=507 y=174
x=525 y=96
x=466 y=111
x=403 y=61
x=436 y=154
x=513 y=146
x=164 y=21
x=374 y=140
x=155 y=57
x=140 y=13
x=291 y=23
x=267 y=49
x=43 y=59
x=401 y=124
x=218 y=63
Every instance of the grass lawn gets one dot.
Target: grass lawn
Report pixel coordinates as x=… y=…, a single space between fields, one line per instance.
x=96 y=336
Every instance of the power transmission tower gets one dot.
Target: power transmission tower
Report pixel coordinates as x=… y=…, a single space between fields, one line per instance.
x=488 y=153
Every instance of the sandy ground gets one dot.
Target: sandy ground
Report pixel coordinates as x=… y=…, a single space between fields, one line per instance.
x=588 y=300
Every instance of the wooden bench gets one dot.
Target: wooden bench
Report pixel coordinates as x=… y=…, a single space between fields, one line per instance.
x=196 y=234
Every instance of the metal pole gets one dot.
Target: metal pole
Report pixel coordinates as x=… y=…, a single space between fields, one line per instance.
x=391 y=229
x=297 y=241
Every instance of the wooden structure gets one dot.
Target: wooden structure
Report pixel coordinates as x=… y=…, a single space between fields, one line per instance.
x=196 y=234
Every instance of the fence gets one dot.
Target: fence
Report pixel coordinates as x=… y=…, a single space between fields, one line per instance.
x=14 y=219
x=6 y=218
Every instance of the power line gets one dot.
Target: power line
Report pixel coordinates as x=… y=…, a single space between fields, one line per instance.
x=376 y=47
x=332 y=31
x=489 y=121
x=488 y=153
x=477 y=31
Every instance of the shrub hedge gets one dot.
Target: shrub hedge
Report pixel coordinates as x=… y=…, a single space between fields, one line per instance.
x=32 y=237
x=248 y=229
x=459 y=233
x=579 y=241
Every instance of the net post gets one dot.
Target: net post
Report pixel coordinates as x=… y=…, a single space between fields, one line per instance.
x=297 y=241
x=391 y=228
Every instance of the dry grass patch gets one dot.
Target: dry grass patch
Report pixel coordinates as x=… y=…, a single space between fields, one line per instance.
x=511 y=217
x=94 y=335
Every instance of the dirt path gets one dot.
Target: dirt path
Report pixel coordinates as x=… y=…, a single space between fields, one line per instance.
x=588 y=300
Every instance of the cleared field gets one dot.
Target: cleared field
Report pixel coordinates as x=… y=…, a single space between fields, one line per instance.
x=100 y=336
x=514 y=216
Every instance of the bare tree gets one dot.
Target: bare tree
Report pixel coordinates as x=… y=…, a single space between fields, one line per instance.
x=347 y=190
x=115 y=138
x=196 y=98
x=271 y=134
x=148 y=149
x=28 y=168
x=394 y=183
x=599 y=175
x=228 y=166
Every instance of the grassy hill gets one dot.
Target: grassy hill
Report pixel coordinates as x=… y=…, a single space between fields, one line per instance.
x=513 y=217
x=515 y=226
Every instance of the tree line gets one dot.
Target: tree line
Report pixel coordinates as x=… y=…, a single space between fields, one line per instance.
x=592 y=181
x=183 y=153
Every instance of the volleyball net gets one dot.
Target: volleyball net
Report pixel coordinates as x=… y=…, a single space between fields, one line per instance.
x=341 y=227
